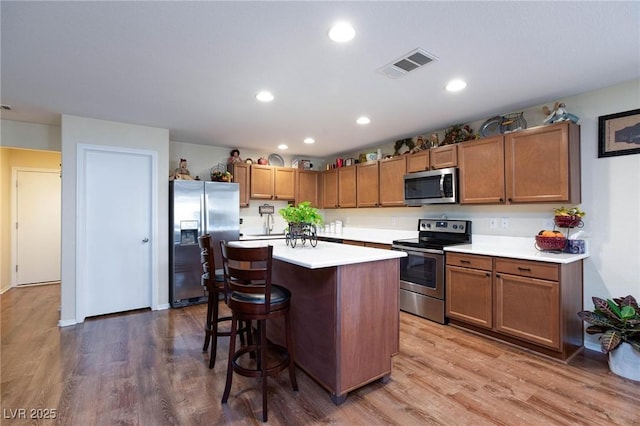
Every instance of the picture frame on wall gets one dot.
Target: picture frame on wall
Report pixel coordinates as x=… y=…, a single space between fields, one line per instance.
x=619 y=134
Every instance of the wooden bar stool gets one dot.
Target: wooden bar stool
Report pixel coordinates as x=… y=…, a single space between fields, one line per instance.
x=213 y=282
x=251 y=296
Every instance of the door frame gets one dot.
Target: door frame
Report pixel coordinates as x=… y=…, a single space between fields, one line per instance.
x=81 y=243
x=14 y=214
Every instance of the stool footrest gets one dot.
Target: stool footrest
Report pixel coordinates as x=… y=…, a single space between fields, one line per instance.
x=256 y=372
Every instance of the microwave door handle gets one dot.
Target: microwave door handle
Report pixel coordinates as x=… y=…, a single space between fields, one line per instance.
x=442 y=186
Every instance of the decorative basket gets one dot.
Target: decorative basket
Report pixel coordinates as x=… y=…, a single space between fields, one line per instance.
x=568 y=221
x=550 y=243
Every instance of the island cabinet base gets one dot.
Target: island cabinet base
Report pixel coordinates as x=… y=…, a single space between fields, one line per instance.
x=345 y=322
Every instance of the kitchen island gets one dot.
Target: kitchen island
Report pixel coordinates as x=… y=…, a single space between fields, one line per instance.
x=344 y=311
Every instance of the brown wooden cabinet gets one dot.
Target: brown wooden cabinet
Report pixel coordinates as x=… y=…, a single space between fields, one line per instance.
x=272 y=183
x=528 y=303
x=391 y=181
x=367 y=184
x=537 y=165
x=469 y=290
x=482 y=171
x=542 y=164
x=330 y=189
x=308 y=187
x=347 y=195
x=418 y=162
x=241 y=173
x=444 y=156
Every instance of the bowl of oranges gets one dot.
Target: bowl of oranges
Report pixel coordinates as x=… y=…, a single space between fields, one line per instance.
x=550 y=241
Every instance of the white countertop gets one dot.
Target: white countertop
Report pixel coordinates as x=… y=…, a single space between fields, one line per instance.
x=514 y=247
x=324 y=255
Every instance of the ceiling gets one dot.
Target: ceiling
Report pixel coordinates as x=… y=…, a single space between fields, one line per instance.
x=194 y=67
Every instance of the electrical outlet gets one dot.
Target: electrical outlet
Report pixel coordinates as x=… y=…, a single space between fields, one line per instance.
x=505 y=222
x=393 y=220
x=493 y=223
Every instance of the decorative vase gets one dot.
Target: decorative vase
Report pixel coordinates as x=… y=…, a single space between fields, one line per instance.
x=625 y=362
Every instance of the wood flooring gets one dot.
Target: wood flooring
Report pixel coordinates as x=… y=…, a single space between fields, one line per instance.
x=148 y=368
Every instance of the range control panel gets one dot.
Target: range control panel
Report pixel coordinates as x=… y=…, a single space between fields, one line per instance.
x=442 y=225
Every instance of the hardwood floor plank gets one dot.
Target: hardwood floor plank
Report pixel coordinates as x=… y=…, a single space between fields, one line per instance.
x=148 y=368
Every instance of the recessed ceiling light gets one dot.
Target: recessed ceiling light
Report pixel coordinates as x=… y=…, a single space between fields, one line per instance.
x=282 y=146
x=264 y=96
x=455 y=85
x=309 y=140
x=363 y=120
x=342 y=32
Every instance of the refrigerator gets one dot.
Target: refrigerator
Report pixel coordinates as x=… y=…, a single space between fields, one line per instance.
x=197 y=208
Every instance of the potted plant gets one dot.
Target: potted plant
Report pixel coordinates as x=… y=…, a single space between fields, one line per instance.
x=302 y=222
x=618 y=321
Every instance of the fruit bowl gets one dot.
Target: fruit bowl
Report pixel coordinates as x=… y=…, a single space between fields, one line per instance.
x=550 y=243
x=568 y=221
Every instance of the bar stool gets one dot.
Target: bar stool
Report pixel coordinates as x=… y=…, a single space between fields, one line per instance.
x=215 y=290
x=251 y=296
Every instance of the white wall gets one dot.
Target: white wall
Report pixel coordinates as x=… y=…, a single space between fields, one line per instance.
x=18 y=134
x=76 y=130
x=610 y=196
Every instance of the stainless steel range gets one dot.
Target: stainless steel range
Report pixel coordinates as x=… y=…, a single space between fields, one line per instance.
x=422 y=277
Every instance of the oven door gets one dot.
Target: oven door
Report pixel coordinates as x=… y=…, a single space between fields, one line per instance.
x=422 y=273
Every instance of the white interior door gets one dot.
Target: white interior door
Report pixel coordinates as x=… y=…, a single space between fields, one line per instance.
x=116 y=215
x=37 y=248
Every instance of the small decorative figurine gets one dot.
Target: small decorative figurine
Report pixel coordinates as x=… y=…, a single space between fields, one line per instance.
x=181 y=173
x=558 y=114
x=234 y=157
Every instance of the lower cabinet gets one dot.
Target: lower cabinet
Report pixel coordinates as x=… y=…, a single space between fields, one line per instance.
x=527 y=303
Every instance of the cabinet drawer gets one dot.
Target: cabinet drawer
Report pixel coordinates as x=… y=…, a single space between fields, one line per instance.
x=470 y=261
x=541 y=270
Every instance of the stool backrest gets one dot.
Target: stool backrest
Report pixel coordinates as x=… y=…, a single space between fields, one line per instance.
x=248 y=270
x=206 y=257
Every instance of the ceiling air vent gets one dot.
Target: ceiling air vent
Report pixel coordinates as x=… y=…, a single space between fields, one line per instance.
x=409 y=62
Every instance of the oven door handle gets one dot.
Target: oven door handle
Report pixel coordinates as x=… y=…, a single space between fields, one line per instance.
x=422 y=253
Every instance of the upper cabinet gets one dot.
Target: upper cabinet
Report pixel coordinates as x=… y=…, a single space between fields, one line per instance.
x=391 y=186
x=431 y=159
x=482 y=171
x=308 y=187
x=240 y=172
x=330 y=189
x=367 y=184
x=347 y=187
x=537 y=165
x=272 y=183
x=542 y=164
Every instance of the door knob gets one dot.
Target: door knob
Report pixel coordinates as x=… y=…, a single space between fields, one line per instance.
x=145 y=240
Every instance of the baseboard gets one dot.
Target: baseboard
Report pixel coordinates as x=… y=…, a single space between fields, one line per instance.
x=163 y=307
x=66 y=323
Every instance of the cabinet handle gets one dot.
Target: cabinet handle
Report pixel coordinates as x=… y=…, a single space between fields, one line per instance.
x=510 y=200
x=497 y=275
x=501 y=200
x=524 y=269
x=488 y=275
x=465 y=261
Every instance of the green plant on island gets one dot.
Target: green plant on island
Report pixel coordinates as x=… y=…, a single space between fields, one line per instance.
x=618 y=321
x=303 y=213
x=571 y=211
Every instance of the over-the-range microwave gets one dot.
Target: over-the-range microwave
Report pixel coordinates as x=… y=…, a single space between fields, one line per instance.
x=431 y=187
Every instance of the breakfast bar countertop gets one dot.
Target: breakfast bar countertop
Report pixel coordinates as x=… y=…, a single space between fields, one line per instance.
x=324 y=255
x=513 y=247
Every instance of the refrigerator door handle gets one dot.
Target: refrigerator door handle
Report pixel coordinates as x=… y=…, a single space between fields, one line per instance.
x=204 y=217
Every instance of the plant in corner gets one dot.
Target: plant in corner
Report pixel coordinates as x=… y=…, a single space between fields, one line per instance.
x=618 y=321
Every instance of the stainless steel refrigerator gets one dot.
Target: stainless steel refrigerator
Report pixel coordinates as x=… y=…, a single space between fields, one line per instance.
x=197 y=208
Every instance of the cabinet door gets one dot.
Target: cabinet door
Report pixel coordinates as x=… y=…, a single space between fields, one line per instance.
x=391 y=174
x=347 y=186
x=542 y=164
x=240 y=173
x=367 y=184
x=469 y=296
x=444 y=156
x=261 y=181
x=529 y=309
x=307 y=187
x=418 y=162
x=482 y=171
x=330 y=189
x=284 y=183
